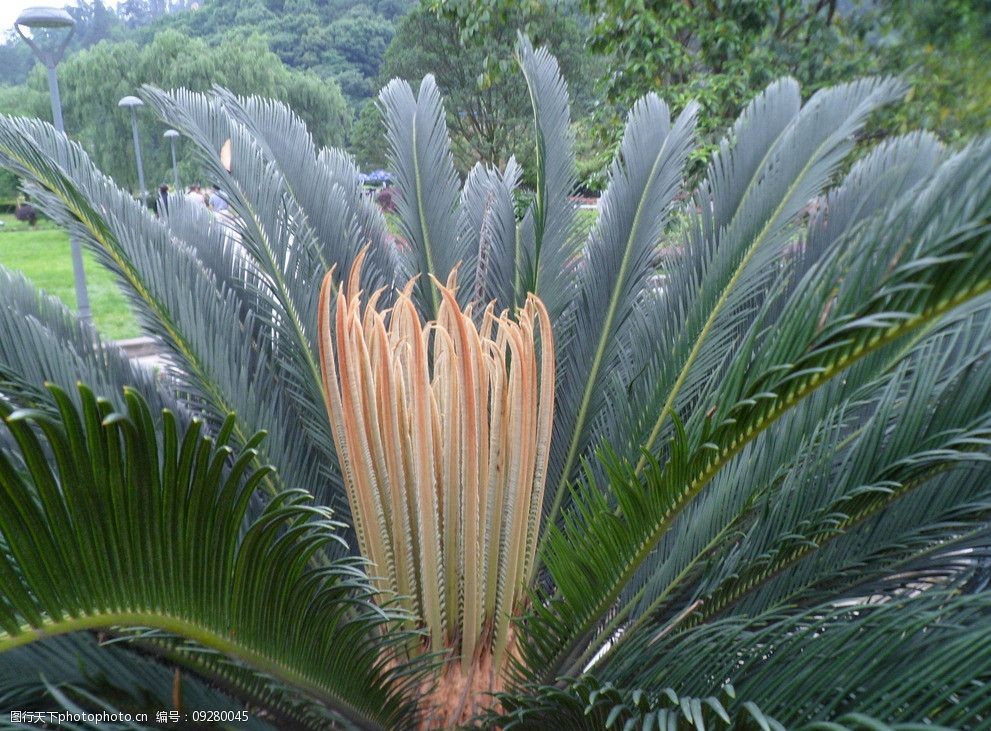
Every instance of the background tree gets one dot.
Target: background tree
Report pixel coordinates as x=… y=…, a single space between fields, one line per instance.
x=341 y=40
x=94 y=80
x=21 y=101
x=943 y=50
x=337 y=39
x=487 y=110
x=720 y=52
x=367 y=140
x=94 y=22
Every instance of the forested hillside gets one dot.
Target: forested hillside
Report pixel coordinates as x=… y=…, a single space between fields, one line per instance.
x=320 y=56
x=328 y=58
x=342 y=40
x=94 y=80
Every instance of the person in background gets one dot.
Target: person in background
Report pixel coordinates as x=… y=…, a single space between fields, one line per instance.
x=194 y=195
x=162 y=204
x=26 y=212
x=217 y=201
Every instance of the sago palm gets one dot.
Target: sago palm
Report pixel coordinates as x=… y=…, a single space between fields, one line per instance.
x=721 y=460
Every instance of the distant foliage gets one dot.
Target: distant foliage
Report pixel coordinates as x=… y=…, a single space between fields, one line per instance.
x=94 y=80
x=343 y=40
x=367 y=138
x=96 y=20
x=945 y=48
x=720 y=53
x=340 y=40
x=488 y=109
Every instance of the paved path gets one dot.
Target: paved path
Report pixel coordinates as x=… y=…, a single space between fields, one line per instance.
x=143 y=350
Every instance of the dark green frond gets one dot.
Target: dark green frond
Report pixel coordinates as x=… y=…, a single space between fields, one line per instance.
x=420 y=153
x=548 y=250
x=588 y=705
x=925 y=257
x=78 y=710
x=133 y=527
x=79 y=664
x=613 y=277
x=917 y=659
x=722 y=510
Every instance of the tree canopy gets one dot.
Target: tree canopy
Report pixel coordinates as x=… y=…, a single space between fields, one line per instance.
x=342 y=40
x=488 y=113
x=93 y=81
x=720 y=53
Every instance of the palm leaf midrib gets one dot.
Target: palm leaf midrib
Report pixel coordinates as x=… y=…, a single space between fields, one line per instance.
x=668 y=406
x=697 y=484
x=201 y=633
x=604 y=334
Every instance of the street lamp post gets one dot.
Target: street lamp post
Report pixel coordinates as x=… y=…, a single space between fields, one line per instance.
x=45 y=18
x=132 y=103
x=171 y=135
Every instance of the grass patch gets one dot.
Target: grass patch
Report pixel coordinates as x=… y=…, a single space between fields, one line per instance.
x=42 y=254
x=12 y=225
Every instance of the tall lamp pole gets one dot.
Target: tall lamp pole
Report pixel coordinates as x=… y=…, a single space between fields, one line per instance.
x=132 y=103
x=171 y=135
x=45 y=18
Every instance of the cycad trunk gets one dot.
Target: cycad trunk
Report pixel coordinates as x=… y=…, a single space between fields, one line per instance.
x=462 y=692
x=443 y=432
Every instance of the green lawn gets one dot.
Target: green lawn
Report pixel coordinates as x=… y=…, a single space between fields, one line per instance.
x=42 y=255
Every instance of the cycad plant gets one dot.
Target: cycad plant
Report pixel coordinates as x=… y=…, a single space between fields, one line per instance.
x=722 y=460
x=442 y=434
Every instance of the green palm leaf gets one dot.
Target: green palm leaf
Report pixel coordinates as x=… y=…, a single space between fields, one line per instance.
x=934 y=259
x=488 y=225
x=547 y=243
x=285 y=257
x=41 y=341
x=816 y=441
x=873 y=183
x=79 y=667
x=177 y=300
x=420 y=153
x=131 y=528
x=777 y=158
x=614 y=273
x=911 y=659
x=324 y=184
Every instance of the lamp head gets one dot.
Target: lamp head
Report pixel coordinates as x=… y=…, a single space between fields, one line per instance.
x=45 y=45
x=130 y=102
x=171 y=134
x=45 y=17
